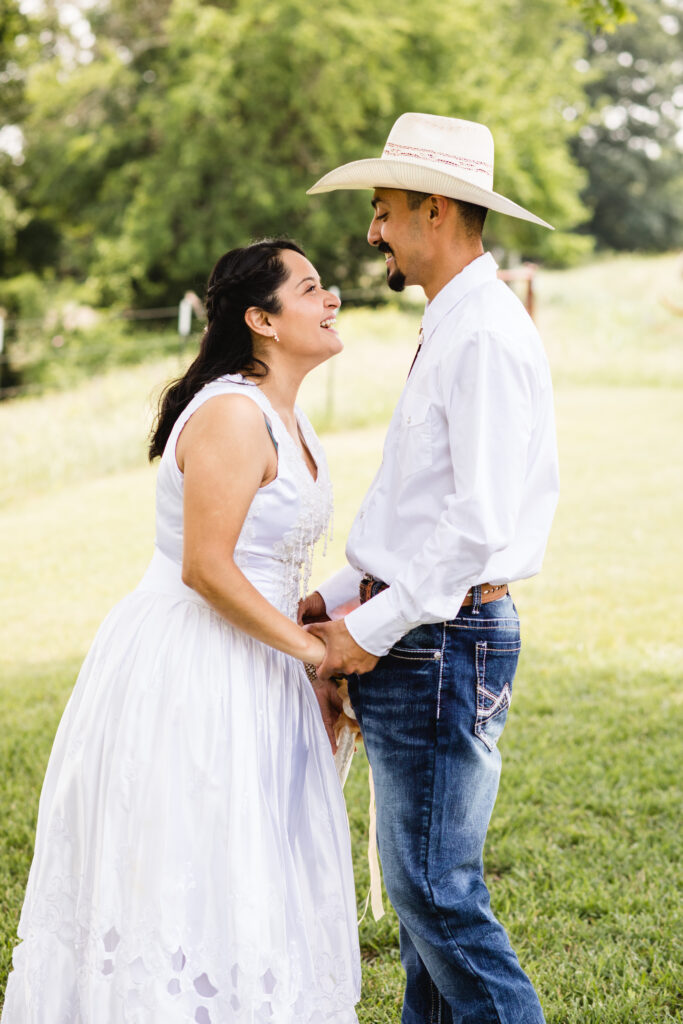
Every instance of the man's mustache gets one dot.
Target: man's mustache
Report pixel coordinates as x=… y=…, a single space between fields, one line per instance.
x=383 y=247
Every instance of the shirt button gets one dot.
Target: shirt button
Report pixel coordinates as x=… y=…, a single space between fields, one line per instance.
x=408 y=420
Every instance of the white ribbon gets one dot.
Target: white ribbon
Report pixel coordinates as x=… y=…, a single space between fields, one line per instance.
x=347 y=733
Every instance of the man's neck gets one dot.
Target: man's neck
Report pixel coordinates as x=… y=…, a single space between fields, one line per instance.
x=449 y=263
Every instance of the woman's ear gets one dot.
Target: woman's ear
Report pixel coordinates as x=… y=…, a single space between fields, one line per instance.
x=257 y=321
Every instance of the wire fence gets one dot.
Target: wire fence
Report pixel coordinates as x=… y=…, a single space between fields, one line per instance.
x=189 y=306
x=188 y=309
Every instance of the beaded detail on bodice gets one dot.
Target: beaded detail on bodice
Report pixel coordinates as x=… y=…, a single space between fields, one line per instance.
x=286 y=517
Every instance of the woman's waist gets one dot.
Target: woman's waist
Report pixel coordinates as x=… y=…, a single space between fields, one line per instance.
x=164 y=575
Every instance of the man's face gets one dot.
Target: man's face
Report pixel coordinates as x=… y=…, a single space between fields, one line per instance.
x=397 y=232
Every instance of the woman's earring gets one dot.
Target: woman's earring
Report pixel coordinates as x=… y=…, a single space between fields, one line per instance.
x=275 y=337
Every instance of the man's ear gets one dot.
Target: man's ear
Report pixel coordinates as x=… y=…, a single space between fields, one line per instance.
x=437 y=209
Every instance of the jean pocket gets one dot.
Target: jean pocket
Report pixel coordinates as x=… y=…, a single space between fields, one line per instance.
x=424 y=643
x=496 y=662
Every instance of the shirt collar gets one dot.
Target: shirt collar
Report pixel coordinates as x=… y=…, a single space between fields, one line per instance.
x=476 y=273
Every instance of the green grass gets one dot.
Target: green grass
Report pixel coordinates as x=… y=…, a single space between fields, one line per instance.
x=583 y=852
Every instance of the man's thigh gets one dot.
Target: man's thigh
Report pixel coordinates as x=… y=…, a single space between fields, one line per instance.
x=431 y=713
x=397 y=707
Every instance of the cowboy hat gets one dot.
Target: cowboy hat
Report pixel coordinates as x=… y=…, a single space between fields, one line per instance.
x=439 y=155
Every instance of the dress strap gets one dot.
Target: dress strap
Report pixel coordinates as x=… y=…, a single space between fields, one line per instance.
x=270 y=431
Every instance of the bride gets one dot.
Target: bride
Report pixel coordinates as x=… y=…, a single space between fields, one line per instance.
x=192 y=859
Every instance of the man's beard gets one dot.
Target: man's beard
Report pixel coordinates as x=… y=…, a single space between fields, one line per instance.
x=396 y=279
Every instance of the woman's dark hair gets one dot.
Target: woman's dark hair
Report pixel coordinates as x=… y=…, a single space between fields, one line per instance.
x=244 y=277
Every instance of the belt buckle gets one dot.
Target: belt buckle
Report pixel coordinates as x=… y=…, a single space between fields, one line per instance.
x=365 y=588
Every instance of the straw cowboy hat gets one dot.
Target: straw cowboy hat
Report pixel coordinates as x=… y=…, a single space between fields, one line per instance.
x=440 y=155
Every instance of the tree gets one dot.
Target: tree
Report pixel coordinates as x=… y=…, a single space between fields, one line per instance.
x=631 y=142
x=14 y=46
x=194 y=127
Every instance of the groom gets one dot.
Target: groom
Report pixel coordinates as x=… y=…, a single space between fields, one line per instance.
x=460 y=507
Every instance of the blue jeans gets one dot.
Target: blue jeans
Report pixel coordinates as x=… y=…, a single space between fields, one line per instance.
x=431 y=713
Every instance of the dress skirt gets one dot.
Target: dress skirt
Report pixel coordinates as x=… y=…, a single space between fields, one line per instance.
x=192 y=854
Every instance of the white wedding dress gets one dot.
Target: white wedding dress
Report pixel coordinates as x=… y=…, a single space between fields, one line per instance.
x=192 y=859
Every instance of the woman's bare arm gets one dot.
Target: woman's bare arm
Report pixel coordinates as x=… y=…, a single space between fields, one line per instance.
x=225 y=454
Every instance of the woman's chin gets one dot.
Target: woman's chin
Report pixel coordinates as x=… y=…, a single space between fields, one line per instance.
x=333 y=343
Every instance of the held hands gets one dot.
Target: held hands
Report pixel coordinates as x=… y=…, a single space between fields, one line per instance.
x=342 y=654
x=331 y=707
x=330 y=702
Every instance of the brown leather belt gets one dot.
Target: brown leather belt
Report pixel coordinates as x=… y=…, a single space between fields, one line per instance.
x=370 y=586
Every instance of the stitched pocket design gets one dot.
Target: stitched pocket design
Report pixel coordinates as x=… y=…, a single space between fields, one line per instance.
x=496 y=662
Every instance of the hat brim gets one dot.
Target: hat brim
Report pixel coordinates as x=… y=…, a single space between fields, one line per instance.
x=415 y=177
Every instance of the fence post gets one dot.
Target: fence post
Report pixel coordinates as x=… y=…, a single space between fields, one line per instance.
x=2 y=347
x=184 y=317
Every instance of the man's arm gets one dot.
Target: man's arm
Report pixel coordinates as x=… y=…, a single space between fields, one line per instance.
x=340 y=589
x=489 y=395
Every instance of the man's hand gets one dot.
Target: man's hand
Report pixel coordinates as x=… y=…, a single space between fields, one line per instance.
x=331 y=707
x=342 y=653
x=312 y=609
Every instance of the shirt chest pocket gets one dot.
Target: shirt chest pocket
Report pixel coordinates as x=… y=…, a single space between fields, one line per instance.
x=415 y=435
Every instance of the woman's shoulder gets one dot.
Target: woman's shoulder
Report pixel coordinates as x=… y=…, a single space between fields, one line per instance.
x=243 y=410
x=230 y=384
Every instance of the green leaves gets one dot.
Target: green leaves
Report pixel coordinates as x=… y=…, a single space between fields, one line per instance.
x=604 y=14
x=190 y=128
x=630 y=141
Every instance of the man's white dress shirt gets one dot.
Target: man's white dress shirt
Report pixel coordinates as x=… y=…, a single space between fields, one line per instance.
x=468 y=483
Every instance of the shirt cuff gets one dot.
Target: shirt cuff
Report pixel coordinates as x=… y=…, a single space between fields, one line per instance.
x=340 y=588
x=376 y=626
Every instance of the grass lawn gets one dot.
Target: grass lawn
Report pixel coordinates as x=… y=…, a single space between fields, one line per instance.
x=584 y=849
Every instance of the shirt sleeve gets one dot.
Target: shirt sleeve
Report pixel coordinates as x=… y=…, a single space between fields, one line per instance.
x=488 y=394
x=340 y=588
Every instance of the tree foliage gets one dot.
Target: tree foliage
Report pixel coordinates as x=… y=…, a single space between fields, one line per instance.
x=185 y=128
x=631 y=143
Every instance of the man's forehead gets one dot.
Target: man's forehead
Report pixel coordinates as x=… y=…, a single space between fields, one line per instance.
x=385 y=195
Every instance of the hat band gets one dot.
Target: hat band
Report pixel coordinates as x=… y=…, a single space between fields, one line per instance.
x=472 y=166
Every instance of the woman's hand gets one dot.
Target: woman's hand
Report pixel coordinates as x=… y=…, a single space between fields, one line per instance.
x=331 y=707
x=312 y=609
x=326 y=692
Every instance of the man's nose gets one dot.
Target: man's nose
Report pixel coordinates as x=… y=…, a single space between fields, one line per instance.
x=374 y=234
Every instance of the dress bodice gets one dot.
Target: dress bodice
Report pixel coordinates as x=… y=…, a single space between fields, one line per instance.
x=286 y=517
